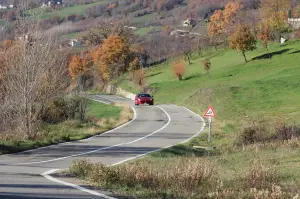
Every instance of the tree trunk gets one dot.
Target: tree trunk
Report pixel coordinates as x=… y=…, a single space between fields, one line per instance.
x=189 y=58
x=180 y=77
x=216 y=47
x=268 y=52
x=243 y=52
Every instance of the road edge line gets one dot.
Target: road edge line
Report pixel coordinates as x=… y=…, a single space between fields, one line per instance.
x=48 y=176
x=101 y=149
x=202 y=128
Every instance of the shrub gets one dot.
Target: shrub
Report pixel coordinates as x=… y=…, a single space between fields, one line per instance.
x=182 y=176
x=284 y=132
x=61 y=109
x=139 y=77
x=178 y=69
x=80 y=168
x=253 y=134
x=206 y=64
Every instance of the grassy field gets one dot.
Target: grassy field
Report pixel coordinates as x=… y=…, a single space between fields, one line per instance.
x=263 y=89
x=76 y=9
x=264 y=92
x=100 y=118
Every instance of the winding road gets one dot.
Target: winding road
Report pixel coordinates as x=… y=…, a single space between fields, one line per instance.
x=28 y=174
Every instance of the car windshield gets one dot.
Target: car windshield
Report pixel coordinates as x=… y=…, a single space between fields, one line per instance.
x=144 y=95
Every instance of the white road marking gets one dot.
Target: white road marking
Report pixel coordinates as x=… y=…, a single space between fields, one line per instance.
x=101 y=149
x=124 y=98
x=202 y=128
x=47 y=176
x=97 y=100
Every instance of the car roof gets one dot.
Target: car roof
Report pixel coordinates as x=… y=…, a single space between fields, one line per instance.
x=143 y=94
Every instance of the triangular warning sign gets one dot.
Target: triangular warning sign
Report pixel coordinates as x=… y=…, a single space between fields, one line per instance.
x=210 y=112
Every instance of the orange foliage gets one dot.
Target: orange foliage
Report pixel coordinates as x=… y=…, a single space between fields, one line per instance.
x=139 y=77
x=112 y=6
x=111 y=57
x=133 y=65
x=206 y=64
x=78 y=65
x=216 y=25
x=265 y=34
x=220 y=20
x=178 y=69
x=296 y=11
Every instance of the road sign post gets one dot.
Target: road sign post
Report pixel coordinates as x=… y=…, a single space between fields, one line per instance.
x=209 y=128
x=209 y=113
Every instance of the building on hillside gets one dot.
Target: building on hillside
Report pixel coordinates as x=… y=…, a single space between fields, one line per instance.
x=75 y=43
x=294 y=22
x=51 y=3
x=3 y=7
x=184 y=33
x=179 y=33
x=189 y=23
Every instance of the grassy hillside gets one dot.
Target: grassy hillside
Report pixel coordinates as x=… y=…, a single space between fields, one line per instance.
x=263 y=89
x=76 y=9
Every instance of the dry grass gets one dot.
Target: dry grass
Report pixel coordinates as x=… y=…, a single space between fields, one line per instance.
x=181 y=176
x=260 y=176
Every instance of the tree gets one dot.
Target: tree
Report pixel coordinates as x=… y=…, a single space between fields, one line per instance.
x=265 y=35
x=242 y=40
x=206 y=65
x=33 y=73
x=275 y=12
x=185 y=45
x=178 y=69
x=77 y=66
x=296 y=11
x=112 y=57
x=96 y=35
x=221 y=21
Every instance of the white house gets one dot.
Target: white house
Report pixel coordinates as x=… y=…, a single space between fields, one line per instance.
x=3 y=7
x=75 y=43
x=294 y=22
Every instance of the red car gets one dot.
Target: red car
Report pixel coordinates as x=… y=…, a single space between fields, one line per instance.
x=144 y=99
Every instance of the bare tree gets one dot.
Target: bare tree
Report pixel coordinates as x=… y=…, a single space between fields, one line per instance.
x=34 y=72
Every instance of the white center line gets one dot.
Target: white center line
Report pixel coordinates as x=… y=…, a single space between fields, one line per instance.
x=101 y=149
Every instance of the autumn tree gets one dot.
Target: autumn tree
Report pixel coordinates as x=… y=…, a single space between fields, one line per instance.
x=112 y=57
x=242 y=40
x=206 y=65
x=222 y=20
x=96 y=35
x=77 y=66
x=178 y=69
x=265 y=35
x=296 y=11
x=275 y=13
x=139 y=77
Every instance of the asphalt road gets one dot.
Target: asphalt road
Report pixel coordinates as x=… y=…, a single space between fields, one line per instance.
x=153 y=128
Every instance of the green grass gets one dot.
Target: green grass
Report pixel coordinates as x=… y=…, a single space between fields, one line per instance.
x=70 y=35
x=76 y=9
x=262 y=90
x=145 y=31
x=70 y=130
x=143 y=19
